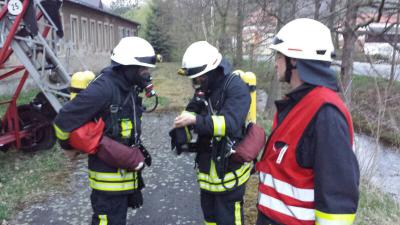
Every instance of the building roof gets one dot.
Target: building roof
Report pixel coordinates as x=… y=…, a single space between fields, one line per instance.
x=98 y=6
x=95 y=3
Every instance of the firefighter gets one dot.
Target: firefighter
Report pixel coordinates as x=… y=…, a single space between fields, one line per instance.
x=217 y=113
x=113 y=96
x=308 y=173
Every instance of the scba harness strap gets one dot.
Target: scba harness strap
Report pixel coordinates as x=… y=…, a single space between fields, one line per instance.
x=221 y=150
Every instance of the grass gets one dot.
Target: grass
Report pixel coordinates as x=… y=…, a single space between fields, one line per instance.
x=174 y=91
x=376 y=207
x=24 y=98
x=27 y=178
x=365 y=108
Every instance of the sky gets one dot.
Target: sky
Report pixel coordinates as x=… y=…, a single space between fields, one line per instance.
x=106 y=2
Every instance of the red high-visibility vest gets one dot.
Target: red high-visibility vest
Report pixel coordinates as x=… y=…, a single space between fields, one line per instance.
x=286 y=190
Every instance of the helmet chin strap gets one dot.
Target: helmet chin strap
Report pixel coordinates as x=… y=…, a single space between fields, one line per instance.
x=289 y=68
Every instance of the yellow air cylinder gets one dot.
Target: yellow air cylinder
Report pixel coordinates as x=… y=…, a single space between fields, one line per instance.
x=79 y=81
x=251 y=80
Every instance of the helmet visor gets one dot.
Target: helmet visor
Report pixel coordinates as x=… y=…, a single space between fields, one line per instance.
x=148 y=59
x=195 y=70
x=276 y=41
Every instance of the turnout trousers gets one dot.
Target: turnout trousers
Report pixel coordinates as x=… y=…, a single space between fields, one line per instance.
x=109 y=209
x=223 y=208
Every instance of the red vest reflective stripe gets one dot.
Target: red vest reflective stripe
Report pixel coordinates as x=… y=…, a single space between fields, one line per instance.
x=286 y=190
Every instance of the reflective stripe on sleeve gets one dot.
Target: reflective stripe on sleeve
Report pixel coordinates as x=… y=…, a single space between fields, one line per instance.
x=322 y=218
x=187 y=112
x=60 y=134
x=219 y=125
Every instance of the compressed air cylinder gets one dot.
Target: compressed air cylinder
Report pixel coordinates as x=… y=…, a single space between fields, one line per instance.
x=79 y=81
x=250 y=79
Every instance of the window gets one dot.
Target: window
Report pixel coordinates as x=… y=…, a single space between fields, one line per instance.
x=59 y=48
x=74 y=30
x=99 y=35
x=92 y=34
x=120 y=32
x=84 y=31
x=112 y=43
x=106 y=37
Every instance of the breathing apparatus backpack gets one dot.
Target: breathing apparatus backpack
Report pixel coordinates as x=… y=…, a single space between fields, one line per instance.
x=254 y=136
x=80 y=81
x=92 y=131
x=254 y=140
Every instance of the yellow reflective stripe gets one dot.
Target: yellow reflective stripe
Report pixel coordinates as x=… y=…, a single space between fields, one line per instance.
x=60 y=134
x=322 y=218
x=238 y=214
x=220 y=188
x=103 y=220
x=209 y=223
x=188 y=135
x=108 y=186
x=219 y=125
x=213 y=177
x=215 y=185
x=187 y=112
x=126 y=128
x=121 y=175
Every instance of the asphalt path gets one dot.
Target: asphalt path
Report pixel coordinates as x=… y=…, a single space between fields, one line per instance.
x=171 y=195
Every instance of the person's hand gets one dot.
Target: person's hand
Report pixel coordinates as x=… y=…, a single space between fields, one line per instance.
x=71 y=154
x=184 y=119
x=135 y=200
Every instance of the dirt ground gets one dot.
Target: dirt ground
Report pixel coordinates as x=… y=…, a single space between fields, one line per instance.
x=171 y=195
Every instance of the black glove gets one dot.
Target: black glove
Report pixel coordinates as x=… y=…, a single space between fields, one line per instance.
x=146 y=155
x=180 y=138
x=65 y=144
x=135 y=200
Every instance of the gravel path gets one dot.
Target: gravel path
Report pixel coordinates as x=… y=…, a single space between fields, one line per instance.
x=171 y=195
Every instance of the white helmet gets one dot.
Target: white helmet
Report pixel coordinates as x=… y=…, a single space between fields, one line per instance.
x=134 y=51
x=304 y=39
x=199 y=58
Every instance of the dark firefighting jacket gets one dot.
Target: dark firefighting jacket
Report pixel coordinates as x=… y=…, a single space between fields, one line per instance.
x=228 y=121
x=111 y=97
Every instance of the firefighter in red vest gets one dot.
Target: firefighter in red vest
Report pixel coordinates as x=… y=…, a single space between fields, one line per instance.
x=309 y=173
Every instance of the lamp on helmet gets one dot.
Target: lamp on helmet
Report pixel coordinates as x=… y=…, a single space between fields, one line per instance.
x=134 y=51
x=304 y=39
x=199 y=58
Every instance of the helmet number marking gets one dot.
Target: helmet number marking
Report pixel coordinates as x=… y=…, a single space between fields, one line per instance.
x=14 y=7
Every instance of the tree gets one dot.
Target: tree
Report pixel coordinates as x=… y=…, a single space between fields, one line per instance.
x=120 y=7
x=158 y=23
x=350 y=27
x=239 y=33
